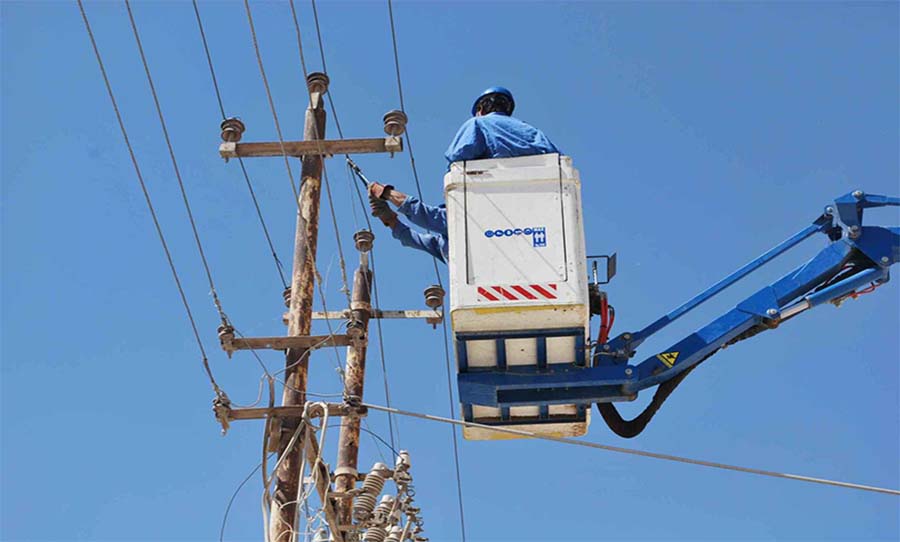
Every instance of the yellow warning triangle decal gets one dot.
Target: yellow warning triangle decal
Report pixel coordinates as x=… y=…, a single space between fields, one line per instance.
x=668 y=358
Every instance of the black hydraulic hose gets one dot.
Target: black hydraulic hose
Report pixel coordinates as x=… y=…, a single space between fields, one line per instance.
x=633 y=427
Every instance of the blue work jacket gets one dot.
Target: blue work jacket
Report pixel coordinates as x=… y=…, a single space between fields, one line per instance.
x=496 y=135
x=426 y=216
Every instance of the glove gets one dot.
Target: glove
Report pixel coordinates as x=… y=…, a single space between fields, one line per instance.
x=380 y=191
x=381 y=211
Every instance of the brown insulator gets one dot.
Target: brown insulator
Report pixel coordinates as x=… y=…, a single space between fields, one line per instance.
x=395 y=123
x=434 y=296
x=317 y=82
x=232 y=130
x=364 y=240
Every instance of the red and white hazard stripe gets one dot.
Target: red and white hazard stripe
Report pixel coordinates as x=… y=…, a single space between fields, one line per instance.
x=518 y=292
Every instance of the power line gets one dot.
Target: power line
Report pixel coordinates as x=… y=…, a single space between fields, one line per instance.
x=328 y=197
x=219 y=392
x=459 y=496
x=262 y=71
x=231 y=501
x=412 y=158
x=278 y=265
x=317 y=279
x=165 y=130
x=392 y=427
x=412 y=163
x=642 y=453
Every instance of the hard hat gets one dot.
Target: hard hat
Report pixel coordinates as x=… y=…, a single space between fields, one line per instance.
x=503 y=91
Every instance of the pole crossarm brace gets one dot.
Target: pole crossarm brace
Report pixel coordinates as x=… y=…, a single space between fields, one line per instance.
x=233 y=130
x=340 y=410
x=325 y=147
x=230 y=344
x=431 y=316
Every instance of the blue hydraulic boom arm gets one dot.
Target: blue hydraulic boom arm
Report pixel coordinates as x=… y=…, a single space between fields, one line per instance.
x=858 y=256
x=856 y=260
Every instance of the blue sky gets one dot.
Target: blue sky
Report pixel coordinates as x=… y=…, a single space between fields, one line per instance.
x=705 y=133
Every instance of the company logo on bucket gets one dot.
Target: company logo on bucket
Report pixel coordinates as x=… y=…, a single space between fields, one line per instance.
x=538 y=234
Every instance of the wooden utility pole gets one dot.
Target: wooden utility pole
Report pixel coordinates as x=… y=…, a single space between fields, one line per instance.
x=346 y=472
x=283 y=421
x=287 y=476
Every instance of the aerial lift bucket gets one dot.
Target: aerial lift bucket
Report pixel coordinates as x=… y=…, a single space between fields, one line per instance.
x=518 y=292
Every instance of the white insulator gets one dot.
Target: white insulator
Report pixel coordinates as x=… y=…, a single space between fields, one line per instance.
x=362 y=508
x=321 y=536
x=382 y=512
x=394 y=536
x=374 y=534
x=374 y=481
x=403 y=460
x=372 y=486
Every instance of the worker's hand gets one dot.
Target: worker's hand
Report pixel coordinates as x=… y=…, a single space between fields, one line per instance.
x=381 y=211
x=380 y=191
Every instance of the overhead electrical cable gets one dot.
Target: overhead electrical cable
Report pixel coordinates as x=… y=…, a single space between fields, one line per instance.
x=459 y=496
x=449 y=370
x=265 y=80
x=318 y=278
x=219 y=392
x=231 y=501
x=184 y=197
x=278 y=265
x=392 y=426
x=412 y=158
x=328 y=196
x=642 y=453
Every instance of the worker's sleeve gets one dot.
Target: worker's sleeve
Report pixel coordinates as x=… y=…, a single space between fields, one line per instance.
x=469 y=143
x=432 y=244
x=425 y=216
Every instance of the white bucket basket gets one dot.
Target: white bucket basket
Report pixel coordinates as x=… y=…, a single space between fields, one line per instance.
x=518 y=283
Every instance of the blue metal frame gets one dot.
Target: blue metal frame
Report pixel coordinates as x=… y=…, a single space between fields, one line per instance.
x=872 y=248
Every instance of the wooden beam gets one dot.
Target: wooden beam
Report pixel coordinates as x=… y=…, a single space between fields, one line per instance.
x=337 y=410
x=313 y=147
x=382 y=314
x=284 y=343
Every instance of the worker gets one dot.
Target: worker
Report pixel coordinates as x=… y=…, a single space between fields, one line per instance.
x=491 y=133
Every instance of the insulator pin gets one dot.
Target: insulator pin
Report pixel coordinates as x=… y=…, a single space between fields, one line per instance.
x=232 y=130
x=395 y=123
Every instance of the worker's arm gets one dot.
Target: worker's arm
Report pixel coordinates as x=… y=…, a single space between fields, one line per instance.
x=423 y=215
x=432 y=244
x=469 y=143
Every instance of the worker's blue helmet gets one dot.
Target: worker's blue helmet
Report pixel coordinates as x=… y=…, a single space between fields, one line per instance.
x=503 y=91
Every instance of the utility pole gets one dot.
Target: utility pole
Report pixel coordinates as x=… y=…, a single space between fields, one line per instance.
x=283 y=421
x=346 y=473
x=287 y=476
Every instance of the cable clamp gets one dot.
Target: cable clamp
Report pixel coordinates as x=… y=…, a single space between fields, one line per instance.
x=222 y=410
